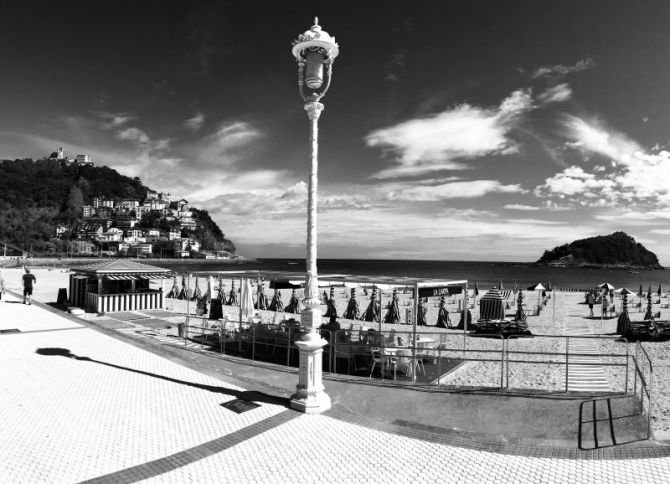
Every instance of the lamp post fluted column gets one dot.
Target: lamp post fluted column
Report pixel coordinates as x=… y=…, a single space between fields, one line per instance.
x=312 y=281
x=314 y=50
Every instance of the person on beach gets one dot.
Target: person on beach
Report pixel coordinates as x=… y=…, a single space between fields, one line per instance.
x=28 y=281
x=590 y=300
x=605 y=305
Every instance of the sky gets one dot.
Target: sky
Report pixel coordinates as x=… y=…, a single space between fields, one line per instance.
x=452 y=130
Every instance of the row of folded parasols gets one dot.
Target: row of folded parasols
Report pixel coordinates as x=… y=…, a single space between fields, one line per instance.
x=352 y=312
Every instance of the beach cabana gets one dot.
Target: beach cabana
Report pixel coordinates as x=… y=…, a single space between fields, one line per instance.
x=492 y=305
x=117 y=285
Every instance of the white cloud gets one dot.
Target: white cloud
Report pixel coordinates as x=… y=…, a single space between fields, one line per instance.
x=519 y=206
x=440 y=141
x=115 y=120
x=133 y=134
x=593 y=136
x=444 y=191
x=635 y=174
x=660 y=231
x=555 y=94
x=574 y=180
x=558 y=71
x=196 y=122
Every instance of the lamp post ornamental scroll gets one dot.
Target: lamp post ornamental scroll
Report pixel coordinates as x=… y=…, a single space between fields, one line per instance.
x=315 y=50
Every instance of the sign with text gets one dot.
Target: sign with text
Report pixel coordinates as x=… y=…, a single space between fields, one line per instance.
x=440 y=291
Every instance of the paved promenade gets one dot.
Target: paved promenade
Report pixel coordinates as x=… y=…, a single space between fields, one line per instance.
x=78 y=404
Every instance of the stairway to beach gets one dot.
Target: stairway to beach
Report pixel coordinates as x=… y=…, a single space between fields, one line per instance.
x=584 y=372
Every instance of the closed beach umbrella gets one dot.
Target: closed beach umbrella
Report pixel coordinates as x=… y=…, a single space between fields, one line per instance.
x=539 y=288
x=549 y=288
x=501 y=285
x=210 y=289
x=372 y=312
x=520 y=315
x=221 y=294
x=293 y=304
x=624 y=319
x=247 y=298
x=476 y=289
x=352 y=311
x=393 y=314
x=421 y=314
x=277 y=305
x=183 y=293
x=649 y=314
x=331 y=309
x=515 y=289
x=197 y=292
x=660 y=291
x=262 y=302
x=174 y=292
x=443 y=314
x=233 y=299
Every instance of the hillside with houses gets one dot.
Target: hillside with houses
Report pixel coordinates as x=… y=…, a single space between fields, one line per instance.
x=58 y=206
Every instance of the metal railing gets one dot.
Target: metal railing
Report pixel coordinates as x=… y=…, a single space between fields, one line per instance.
x=642 y=363
x=432 y=355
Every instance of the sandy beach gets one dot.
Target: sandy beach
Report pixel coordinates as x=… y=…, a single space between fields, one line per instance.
x=547 y=327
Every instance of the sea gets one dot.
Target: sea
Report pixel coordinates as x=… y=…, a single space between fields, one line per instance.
x=485 y=274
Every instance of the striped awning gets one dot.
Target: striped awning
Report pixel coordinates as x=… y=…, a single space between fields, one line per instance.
x=505 y=293
x=495 y=294
x=129 y=277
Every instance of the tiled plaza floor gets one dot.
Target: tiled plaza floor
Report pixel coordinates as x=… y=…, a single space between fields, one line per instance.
x=77 y=404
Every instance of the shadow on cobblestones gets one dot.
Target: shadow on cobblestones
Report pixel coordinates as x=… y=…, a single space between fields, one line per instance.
x=252 y=396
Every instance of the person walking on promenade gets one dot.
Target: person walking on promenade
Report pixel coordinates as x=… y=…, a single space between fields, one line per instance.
x=28 y=281
x=605 y=305
x=590 y=300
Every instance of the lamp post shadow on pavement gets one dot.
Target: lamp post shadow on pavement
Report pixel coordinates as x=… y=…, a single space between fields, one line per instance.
x=314 y=51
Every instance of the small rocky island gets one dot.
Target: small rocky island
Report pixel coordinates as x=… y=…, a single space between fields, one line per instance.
x=617 y=250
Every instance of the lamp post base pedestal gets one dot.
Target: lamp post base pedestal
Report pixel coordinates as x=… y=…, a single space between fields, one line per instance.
x=310 y=396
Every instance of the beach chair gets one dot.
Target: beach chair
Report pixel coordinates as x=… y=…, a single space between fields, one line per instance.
x=403 y=360
x=378 y=358
x=345 y=351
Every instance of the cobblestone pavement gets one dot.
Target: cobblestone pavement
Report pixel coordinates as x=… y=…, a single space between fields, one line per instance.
x=79 y=405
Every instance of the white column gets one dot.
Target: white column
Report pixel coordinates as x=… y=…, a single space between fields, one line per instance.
x=310 y=396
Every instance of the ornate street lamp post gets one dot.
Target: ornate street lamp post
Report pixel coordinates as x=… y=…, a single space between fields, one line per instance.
x=315 y=52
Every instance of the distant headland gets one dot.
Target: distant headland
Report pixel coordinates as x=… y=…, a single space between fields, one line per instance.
x=618 y=250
